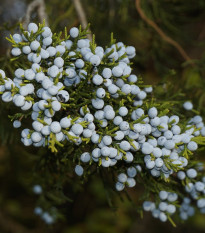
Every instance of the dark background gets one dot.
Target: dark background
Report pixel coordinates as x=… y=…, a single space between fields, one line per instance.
x=91 y=210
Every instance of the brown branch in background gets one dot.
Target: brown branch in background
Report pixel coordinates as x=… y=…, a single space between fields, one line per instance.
x=81 y=15
x=161 y=33
x=41 y=10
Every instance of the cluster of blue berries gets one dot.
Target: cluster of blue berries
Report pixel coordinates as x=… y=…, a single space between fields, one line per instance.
x=81 y=94
x=164 y=208
x=186 y=210
x=44 y=215
x=47 y=217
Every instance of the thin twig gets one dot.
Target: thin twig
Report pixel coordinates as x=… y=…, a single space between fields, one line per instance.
x=81 y=15
x=161 y=33
x=41 y=10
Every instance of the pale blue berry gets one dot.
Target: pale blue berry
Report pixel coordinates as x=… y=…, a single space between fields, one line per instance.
x=85 y=157
x=55 y=127
x=122 y=177
x=37 y=189
x=74 y=32
x=191 y=173
x=32 y=27
x=79 y=170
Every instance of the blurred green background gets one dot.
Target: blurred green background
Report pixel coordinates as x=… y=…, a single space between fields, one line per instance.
x=87 y=206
